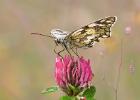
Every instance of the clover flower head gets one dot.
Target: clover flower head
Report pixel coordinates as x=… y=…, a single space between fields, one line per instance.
x=72 y=75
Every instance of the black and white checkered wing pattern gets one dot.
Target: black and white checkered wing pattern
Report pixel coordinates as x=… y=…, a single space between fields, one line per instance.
x=87 y=35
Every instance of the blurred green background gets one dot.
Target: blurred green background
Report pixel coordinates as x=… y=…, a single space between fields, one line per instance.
x=27 y=61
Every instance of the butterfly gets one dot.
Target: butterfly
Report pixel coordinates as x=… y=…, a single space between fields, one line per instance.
x=84 y=37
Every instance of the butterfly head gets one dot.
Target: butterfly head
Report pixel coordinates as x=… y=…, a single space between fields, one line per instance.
x=58 y=34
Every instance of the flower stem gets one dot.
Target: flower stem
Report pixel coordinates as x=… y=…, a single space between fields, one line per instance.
x=119 y=72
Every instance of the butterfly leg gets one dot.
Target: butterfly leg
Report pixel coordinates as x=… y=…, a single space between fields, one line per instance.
x=67 y=50
x=75 y=52
x=55 y=49
x=58 y=53
x=61 y=52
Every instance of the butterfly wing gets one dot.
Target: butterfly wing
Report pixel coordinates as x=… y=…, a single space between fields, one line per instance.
x=87 y=35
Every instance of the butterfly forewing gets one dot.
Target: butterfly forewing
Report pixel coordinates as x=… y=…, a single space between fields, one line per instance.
x=87 y=35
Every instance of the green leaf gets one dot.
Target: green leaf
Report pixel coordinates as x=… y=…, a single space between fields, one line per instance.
x=89 y=93
x=68 y=98
x=50 y=90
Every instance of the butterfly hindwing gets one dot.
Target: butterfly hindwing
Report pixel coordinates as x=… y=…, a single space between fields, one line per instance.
x=87 y=35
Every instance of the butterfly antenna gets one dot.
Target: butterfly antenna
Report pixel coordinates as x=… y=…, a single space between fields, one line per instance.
x=41 y=35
